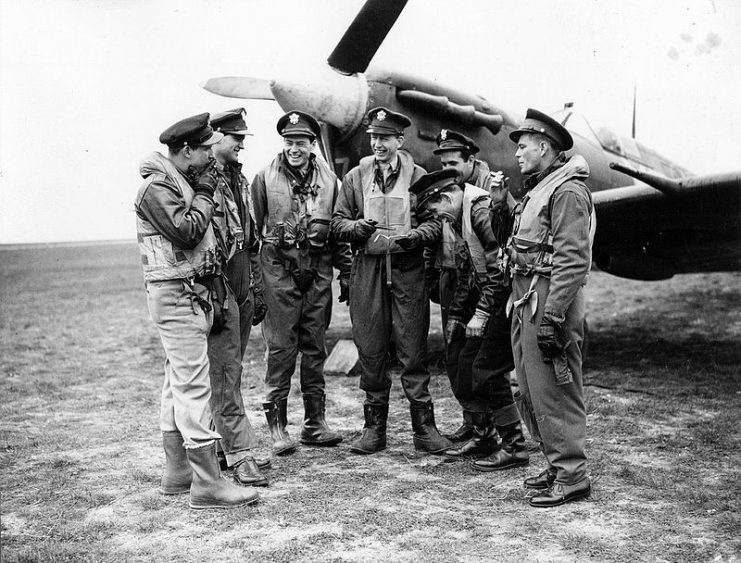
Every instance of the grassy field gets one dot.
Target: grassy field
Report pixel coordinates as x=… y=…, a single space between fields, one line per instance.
x=80 y=454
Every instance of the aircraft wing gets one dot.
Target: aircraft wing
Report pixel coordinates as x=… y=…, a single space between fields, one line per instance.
x=660 y=226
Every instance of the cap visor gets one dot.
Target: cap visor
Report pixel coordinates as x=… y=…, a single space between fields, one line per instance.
x=212 y=140
x=244 y=132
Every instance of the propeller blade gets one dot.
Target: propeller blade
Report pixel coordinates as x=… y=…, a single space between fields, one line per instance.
x=239 y=87
x=364 y=36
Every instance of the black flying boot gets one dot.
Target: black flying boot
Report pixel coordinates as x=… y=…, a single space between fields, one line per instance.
x=513 y=452
x=315 y=431
x=484 y=442
x=427 y=437
x=373 y=438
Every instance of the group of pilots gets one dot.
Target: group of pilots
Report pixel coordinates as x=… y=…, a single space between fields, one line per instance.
x=221 y=255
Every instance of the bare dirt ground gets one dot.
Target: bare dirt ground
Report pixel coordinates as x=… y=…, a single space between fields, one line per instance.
x=80 y=454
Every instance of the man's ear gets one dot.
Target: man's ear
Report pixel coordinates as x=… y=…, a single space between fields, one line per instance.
x=401 y=140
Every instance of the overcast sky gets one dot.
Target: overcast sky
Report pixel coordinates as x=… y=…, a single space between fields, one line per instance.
x=86 y=86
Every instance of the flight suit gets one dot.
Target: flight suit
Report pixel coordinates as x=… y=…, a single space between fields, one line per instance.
x=550 y=255
x=387 y=297
x=297 y=255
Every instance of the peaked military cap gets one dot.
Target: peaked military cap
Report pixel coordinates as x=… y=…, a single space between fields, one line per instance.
x=298 y=123
x=538 y=122
x=433 y=183
x=231 y=122
x=192 y=131
x=448 y=140
x=383 y=121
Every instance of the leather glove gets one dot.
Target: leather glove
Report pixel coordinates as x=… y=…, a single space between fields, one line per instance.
x=260 y=310
x=550 y=337
x=477 y=325
x=207 y=180
x=409 y=241
x=454 y=328
x=364 y=228
x=344 y=296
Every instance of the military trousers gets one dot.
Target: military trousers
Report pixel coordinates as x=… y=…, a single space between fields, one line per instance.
x=478 y=369
x=225 y=373
x=183 y=328
x=381 y=312
x=555 y=414
x=295 y=322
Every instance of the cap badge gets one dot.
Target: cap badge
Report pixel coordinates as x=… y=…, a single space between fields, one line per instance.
x=381 y=115
x=444 y=134
x=293 y=118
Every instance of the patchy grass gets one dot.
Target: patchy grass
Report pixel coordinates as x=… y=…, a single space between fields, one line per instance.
x=80 y=453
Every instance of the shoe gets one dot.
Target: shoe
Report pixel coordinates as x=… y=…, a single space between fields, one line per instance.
x=315 y=431
x=276 y=415
x=373 y=438
x=177 y=475
x=427 y=437
x=544 y=480
x=209 y=489
x=263 y=462
x=560 y=494
x=247 y=473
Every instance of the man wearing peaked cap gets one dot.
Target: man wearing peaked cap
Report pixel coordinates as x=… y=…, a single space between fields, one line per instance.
x=550 y=254
x=458 y=152
x=298 y=124
x=180 y=257
x=382 y=121
x=192 y=131
x=378 y=214
x=294 y=197
x=543 y=124
x=238 y=301
x=478 y=353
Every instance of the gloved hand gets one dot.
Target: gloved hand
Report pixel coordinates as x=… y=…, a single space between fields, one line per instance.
x=344 y=296
x=261 y=309
x=409 y=241
x=453 y=329
x=550 y=337
x=476 y=326
x=364 y=228
x=207 y=180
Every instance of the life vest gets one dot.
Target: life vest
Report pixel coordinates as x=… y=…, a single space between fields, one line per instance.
x=226 y=218
x=530 y=247
x=161 y=259
x=392 y=210
x=291 y=221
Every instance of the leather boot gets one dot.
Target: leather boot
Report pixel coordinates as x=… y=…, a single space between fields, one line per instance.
x=427 y=437
x=513 y=452
x=462 y=434
x=246 y=472
x=373 y=438
x=209 y=489
x=315 y=431
x=484 y=442
x=275 y=413
x=178 y=475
